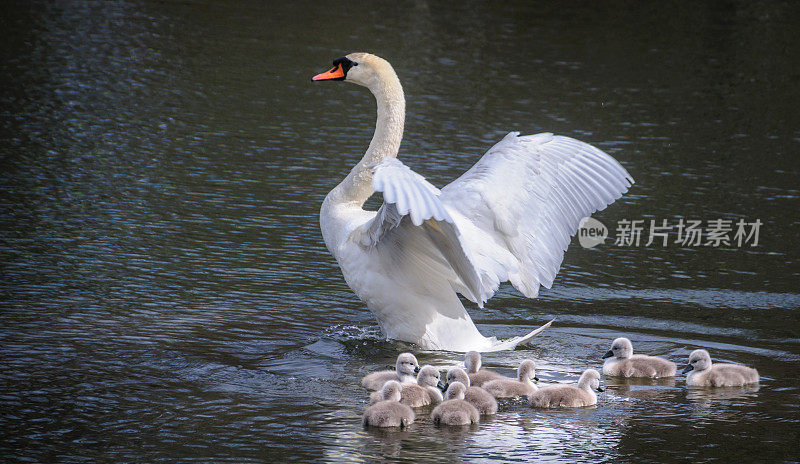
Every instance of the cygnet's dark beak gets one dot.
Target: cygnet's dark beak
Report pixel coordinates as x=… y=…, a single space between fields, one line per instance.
x=687 y=369
x=535 y=378
x=608 y=354
x=600 y=389
x=416 y=369
x=441 y=386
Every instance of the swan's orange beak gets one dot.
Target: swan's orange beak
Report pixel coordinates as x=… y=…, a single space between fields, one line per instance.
x=336 y=72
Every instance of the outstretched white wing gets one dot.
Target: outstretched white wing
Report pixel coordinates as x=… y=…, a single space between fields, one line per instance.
x=415 y=235
x=519 y=205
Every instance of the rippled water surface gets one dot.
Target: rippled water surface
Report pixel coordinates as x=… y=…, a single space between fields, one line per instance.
x=165 y=294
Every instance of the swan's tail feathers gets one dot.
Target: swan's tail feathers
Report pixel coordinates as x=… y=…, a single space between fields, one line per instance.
x=511 y=343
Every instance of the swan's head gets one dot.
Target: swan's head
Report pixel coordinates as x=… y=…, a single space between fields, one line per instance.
x=359 y=68
x=457 y=374
x=526 y=372
x=429 y=376
x=456 y=391
x=407 y=364
x=392 y=390
x=621 y=348
x=699 y=360
x=590 y=379
x=472 y=361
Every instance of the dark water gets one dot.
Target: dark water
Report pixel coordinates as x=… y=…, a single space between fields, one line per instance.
x=166 y=295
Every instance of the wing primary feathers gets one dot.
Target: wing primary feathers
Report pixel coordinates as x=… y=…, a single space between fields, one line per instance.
x=527 y=196
x=524 y=200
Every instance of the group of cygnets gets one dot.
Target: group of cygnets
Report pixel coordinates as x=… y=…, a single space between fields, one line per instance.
x=468 y=394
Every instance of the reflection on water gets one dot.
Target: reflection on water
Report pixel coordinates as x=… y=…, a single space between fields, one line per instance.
x=643 y=388
x=707 y=397
x=166 y=294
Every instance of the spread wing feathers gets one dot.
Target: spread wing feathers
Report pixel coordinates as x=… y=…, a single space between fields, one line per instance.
x=527 y=196
x=415 y=234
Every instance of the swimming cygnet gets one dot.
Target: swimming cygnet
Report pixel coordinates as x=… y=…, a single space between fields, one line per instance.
x=568 y=396
x=455 y=410
x=427 y=389
x=405 y=368
x=510 y=388
x=389 y=412
x=705 y=374
x=483 y=401
x=621 y=362
x=478 y=376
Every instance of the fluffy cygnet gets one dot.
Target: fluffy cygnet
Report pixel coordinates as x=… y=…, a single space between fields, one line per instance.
x=405 y=368
x=389 y=412
x=478 y=376
x=483 y=401
x=568 y=396
x=621 y=362
x=702 y=373
x=510 y=388
x=426 y=390
x=455 y=410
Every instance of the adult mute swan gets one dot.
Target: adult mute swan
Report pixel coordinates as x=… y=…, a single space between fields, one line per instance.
x=508 y=218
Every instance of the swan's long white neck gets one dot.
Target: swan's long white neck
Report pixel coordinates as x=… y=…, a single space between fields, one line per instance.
x=356 y=188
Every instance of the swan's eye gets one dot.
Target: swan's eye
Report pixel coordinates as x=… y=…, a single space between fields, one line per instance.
x=355 y=64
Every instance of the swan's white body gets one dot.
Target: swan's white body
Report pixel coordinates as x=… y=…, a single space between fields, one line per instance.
x=509 y=218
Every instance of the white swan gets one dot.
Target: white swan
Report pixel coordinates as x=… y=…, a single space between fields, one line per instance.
x=509 y=218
